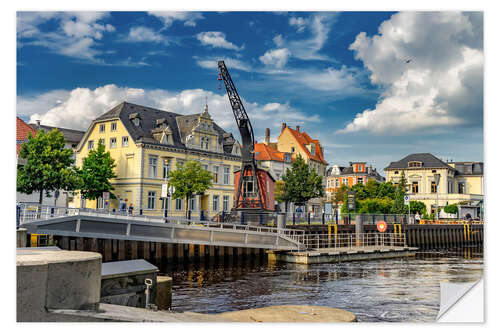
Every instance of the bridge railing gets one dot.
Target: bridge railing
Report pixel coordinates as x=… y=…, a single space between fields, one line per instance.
x=377 y=240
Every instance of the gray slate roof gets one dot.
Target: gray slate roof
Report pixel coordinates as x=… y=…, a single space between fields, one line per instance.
x=72 y=136
x=469 y=168
x=181 y=125
x=428 y=161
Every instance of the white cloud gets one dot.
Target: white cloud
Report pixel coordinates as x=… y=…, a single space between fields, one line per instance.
x=278 y=40
x=77 y=108
x=168 y=18
x=211 y=63
x=145 y=34
x=298 y=22
x=276 y=58
x=75 y=34
x=216 y=39
x=431 y=67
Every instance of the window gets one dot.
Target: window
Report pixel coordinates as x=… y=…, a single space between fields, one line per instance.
x=360 y=180
x=207 y=143
x=112 y=143
x=225 y=203
x=216 y=174
x=100 y=203
x=336 y=182
x=396 y=172
x=226 y=175
x=287 y=157
x=205 y=167
x=152 y=166
x=215 y=203
x=414 y=187
x=166 y=168
x=137 y=122
x=344 y=181
x=414 y=164
x=461 y=188
x=313 y=148
x=164 y=203
x=202 y=141
x=293 y=149
x=433 y=187
x=102 y=142
x=113 y=126
x=433 y=171
x=102 y=128
x=125 y=141
x=248 y=186
x=90 y=145
x=178 y=204
x=151 y=199
x=192 y=204
x=164 y=139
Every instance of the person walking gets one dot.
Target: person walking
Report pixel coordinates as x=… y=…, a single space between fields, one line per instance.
x=130 y=209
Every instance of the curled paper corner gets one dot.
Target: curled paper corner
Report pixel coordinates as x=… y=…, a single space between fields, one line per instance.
x=462 y=302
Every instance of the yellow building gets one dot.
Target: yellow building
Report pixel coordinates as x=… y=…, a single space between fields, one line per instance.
x=147 y=143
x=435 y=182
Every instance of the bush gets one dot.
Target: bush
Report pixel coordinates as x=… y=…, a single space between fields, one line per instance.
x=451 y=209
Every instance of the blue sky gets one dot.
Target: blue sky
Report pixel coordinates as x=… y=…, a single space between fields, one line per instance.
x=371 y=86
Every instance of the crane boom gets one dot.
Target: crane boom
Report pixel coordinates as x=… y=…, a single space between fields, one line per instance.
x=248 y=195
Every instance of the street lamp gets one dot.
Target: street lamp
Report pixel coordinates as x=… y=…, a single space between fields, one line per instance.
x=437 y=176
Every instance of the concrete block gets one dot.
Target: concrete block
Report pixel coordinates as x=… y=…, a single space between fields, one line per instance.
x=21 y=235
x=164 y=292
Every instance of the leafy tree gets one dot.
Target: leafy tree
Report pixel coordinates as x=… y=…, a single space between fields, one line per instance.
x=188 y=180
x=96 y=171
x=451 y=209
x=279 y=192
x=302 y=183
x=417 y=206
x=375 y=206
x=338 y=196
x=361 y=191
x=399 y=207
x=48 y=165
x=372 y=188
x=386 y=190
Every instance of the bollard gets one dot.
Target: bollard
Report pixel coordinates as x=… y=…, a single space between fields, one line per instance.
x=323 y=218
x=308 y=217
x=242 y=217
x=336 y=217
x=165 y=213
x=293 y=219
x=140 y=211
x=18 y=216
x=373 y=218
x=349 y=218
x=202 y=215
x=189 y=214
x=223 y=216
x=260 y=219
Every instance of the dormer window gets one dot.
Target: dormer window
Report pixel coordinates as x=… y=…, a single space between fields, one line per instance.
x=313 y=149
x=414 y=164
x=134 y=117
x=137 y=122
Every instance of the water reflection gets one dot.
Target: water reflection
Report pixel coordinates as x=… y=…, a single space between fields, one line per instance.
x=385 y=290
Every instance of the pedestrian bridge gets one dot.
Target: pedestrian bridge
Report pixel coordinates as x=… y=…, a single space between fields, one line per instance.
x=77 y=222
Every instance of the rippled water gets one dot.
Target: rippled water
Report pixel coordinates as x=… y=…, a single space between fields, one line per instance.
x=384 y=290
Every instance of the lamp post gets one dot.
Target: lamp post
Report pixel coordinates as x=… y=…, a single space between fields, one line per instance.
x=437 y=176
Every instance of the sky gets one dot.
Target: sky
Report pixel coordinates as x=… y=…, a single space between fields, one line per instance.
x=371 y=86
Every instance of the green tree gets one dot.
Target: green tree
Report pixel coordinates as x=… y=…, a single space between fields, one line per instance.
x=96 y=171
x=386 y=190
x=279 y=192
x=338 y=196
x=188 y=180
x=417 y=206
x=48 y=165
x=302 y=183
x=451 y=209
x=372 y=188
x=399 y=207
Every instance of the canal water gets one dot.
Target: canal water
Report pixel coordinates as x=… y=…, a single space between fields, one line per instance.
x=392 y=290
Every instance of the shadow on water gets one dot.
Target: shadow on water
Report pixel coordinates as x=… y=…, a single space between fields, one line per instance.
x=406 y=289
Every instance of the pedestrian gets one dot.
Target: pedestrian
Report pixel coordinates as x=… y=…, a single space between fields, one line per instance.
x=417 y=218
x=130 y=209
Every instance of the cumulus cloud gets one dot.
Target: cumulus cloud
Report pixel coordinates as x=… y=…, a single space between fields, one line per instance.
x=145 y=34
x=276 y=58
x=77 y=108
x=75 y=33
x=168 y=18
x=430 y=66
x=211 y=63
x=216 y=39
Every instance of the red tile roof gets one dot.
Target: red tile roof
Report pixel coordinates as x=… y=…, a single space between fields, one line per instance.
x=22 y=130
x=268 y=153
x=304 y=139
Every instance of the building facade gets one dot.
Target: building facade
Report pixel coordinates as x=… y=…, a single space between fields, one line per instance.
x=355 y=173
x=438 y=184
x=147 y=144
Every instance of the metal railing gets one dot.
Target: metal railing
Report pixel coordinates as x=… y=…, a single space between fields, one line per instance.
x=349 y=241
x=293 y=218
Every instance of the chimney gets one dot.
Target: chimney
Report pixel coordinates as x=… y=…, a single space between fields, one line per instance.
x=268 y=134
x=38 y=122
x=297 y=128
x=283 y=126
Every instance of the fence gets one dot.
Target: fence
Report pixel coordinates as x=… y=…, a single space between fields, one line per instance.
x=336 y=241
x=348 y=218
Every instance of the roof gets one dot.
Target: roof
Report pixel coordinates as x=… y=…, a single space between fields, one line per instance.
x=264 y=152
x=348 y=171
x=428 y=161
x=469 y=168
x=72 y=136
x=22 y=130
x=304 y=139
x=180 y=125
